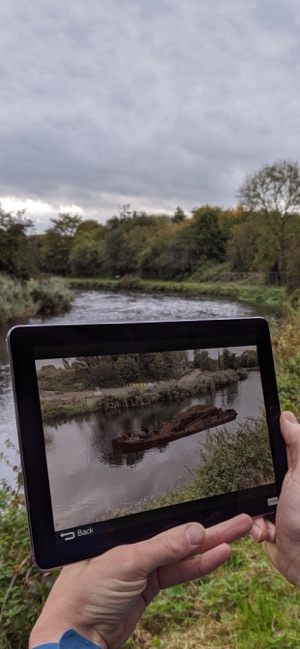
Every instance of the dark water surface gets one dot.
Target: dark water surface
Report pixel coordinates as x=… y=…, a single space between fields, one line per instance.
x=89 y=482
x=94 y=307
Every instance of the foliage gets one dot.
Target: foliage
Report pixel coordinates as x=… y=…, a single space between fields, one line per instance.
x=245 y=604
x=113 y=371
x=273 y=194
x=24 y=299
x=50 y=296
x=285 y=339
x=56 y=244
x=275 y=188
x=16 y=300
x=133 y=396
x=260 y=235
x=86 y=257
x=232 y=461
x=15 y=248
x=23 y=588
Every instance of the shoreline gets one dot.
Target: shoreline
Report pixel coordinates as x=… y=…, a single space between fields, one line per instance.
x=271 y=298
x=61 y=406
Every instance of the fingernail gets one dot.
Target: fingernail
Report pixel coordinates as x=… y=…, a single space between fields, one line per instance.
x=256 y=532
x=194 y=534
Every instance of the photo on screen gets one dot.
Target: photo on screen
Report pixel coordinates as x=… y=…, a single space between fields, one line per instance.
x=128 y=433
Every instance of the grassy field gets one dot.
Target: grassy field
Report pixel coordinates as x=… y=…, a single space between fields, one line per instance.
x=245 y=604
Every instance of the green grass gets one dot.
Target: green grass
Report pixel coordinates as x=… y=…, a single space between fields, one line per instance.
x=273 y=298
x=245 y=604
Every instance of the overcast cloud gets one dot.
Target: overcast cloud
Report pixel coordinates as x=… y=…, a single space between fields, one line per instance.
x=153 y=103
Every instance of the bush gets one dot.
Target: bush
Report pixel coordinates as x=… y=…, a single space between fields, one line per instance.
x=21 y=299
x=50 y=296
x=23 y=587
x=16 y=301
x=232 y=461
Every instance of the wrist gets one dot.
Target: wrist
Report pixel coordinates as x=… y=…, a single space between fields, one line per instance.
x=41 y=635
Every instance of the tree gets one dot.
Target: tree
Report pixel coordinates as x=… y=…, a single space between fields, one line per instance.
x=16 y=252
x=274 y=190
x=57 y=243
x=179 y=215
x=228 y=360
x=204 y=362
x=66 y=224
x=206 y=234
x=86 y=257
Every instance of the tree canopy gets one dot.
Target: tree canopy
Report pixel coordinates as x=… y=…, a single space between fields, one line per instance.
x=274 y=188
x=262 y=234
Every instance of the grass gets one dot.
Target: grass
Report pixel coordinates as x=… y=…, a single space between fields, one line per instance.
x=270 y=297
x=245 y=604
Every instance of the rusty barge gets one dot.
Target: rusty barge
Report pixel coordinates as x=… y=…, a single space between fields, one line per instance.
x=188 y=422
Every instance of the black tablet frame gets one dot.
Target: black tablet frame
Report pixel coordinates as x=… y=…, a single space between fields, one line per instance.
x=26 y=343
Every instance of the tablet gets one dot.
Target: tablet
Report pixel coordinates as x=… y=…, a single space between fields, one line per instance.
x=127 y=429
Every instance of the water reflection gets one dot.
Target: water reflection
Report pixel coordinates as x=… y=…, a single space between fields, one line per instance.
x=88 y=479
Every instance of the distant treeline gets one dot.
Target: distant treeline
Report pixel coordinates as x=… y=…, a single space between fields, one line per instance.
x=88 y=372
x=262 y=234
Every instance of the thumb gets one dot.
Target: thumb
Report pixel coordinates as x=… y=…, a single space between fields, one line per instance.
x=170 y=546
x=290 y=429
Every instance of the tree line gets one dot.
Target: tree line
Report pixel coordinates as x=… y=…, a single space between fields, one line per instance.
x=87 y=372
x=261 y=234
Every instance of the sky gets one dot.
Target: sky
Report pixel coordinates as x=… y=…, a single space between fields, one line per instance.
x=149 y=103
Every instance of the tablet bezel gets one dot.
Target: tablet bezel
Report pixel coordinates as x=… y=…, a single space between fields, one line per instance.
x=26 y=343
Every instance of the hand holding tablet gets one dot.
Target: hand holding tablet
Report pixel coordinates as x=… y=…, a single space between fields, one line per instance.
x=116 y=422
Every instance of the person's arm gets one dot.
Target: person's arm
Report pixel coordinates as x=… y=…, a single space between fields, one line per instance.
x=102 y=599
x=281 y=539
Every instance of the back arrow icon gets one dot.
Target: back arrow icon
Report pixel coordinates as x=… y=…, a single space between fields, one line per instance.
x=68 y=536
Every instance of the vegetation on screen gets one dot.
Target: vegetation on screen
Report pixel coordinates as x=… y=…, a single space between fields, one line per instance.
x=145 y=379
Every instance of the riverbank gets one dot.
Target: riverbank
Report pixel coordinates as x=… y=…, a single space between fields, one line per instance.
x=274 y=298
x=66 y=404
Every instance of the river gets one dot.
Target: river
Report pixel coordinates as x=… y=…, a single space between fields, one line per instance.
x=93 y=307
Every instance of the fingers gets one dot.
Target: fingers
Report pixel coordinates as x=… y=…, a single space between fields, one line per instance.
x=176 y=544
x=290 y=429
x=169 y=547
x=263 y=530
x=226 y=532
x=193 y=568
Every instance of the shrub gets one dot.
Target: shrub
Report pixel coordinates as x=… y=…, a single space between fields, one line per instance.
x=51 y=296
x=16 y=301
x=23 y=587
x=231 y=461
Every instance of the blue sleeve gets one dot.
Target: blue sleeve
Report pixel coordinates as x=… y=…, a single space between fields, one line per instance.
x=69 y=640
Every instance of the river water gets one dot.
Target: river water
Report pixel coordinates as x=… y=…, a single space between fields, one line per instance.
x=94 y=307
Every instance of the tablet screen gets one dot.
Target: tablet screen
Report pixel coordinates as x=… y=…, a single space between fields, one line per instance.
x=128 y=429
x=128 y=433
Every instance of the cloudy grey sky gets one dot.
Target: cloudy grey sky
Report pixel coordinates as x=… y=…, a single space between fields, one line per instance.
x=155 y=103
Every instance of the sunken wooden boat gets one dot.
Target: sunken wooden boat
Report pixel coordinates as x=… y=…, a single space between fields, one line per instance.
x=188 y=422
